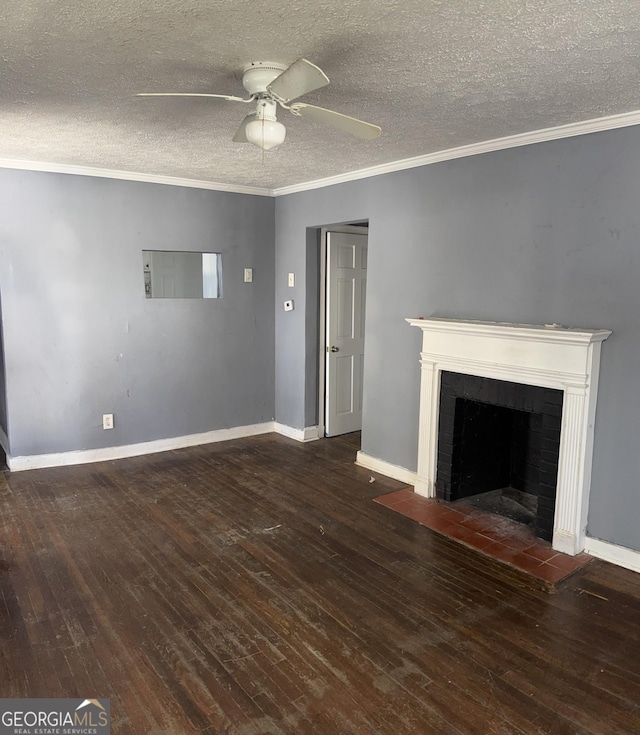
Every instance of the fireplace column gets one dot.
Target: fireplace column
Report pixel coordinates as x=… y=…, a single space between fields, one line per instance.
x=428 y=439
x=574 y=470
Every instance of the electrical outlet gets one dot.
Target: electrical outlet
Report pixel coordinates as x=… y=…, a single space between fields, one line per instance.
x=288 y=305
x=248 y=275
x=107 y=421
x=292 y=280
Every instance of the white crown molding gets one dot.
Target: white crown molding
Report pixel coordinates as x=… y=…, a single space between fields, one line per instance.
x=570 y=130
x=620 y=555
x=595 y=125
x=386 y=468
x=105 y=173
x=86 y=456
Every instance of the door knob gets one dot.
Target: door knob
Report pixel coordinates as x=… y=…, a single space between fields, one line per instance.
x=335 y=349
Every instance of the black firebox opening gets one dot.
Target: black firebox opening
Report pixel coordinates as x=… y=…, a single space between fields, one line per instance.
x=498 y=447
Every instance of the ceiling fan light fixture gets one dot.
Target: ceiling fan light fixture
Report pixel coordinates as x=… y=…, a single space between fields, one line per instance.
x=272 y=85
x=266 y=134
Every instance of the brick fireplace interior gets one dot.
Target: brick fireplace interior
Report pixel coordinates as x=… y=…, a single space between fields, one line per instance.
x=498 y=448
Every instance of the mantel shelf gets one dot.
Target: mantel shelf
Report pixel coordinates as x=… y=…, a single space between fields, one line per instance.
x=505 y=330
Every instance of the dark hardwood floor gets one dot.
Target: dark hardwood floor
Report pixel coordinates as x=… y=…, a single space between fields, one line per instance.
x=253 y=587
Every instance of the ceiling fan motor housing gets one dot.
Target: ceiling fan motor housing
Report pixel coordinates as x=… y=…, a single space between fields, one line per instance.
x=258 y=75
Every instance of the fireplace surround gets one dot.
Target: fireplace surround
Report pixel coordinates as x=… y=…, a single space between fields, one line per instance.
x=549 y=356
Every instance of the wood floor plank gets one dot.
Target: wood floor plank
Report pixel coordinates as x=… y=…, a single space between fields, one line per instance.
x=252 y=587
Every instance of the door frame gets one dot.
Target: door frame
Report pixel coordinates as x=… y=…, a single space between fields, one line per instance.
x=322 y=293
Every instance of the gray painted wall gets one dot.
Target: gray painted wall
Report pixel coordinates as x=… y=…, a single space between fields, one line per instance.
x=544 y=233
x=81 y=339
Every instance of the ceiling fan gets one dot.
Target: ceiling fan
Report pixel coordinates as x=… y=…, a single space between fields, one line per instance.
x=271 y=84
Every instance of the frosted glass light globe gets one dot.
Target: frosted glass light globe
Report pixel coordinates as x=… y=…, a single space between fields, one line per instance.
x=266 y=134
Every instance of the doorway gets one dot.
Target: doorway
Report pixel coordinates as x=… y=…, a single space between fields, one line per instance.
x=344 y=251
x=4 y=431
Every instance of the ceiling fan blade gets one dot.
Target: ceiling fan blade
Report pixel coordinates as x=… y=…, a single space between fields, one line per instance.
x=228 y=97
x=241 y=135
x=301 y=77
x=351 y=125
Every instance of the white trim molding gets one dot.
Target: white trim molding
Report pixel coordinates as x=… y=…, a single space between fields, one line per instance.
x=595 y=125
x=86 y=456
x=105 y=173
x=386 y=468
x=570 y=130
x=546 y=355
x=620 y=555
x=308 y=434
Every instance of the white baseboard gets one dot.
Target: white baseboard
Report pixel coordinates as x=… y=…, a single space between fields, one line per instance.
x=386 y=468
x=85 y=456
x=308 y=434
x=620 y=555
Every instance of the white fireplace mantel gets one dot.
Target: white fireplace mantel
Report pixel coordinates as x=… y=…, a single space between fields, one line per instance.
x=547 y=355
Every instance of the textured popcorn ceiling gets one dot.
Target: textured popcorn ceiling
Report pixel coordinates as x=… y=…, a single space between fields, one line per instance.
x=433 y=75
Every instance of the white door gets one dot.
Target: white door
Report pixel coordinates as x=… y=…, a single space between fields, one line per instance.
x=176 y=274
x=345 y=310
x=163 y=275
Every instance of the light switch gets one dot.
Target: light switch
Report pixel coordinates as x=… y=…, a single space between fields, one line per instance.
x=292 y=280
x=248 y=275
